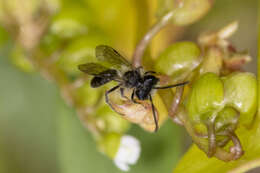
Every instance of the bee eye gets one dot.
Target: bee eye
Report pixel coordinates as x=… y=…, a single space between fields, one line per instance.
x=150 y=79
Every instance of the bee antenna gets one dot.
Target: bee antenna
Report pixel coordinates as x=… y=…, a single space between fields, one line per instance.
x=172 y=86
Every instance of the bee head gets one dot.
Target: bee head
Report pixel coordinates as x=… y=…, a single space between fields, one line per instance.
x=143 y=91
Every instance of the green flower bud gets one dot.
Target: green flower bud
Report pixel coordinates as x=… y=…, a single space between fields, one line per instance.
x=241 y=93
x=185 y=11
x=222 y=101
x=71 y=22
x=178 y=60
x=190 y=11
x=87 y=96
x=47 y=40
x=109 y=121
x=80 y=51
x=109 y=144
x=205 y=98
x=226 y=118
x=19 y=59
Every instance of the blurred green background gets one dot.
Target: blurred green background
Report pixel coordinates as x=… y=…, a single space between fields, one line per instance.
x=39 y=133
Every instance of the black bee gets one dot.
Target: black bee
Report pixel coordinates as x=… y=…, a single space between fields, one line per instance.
x=114 y=67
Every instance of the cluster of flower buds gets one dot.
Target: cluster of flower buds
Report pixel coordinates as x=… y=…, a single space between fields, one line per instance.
x=220 y=97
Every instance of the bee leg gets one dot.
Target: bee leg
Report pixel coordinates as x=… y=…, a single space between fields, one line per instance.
x=122 y=93
x=171 y=86
x=110 y=91
x=133 y=98
x=154 y=115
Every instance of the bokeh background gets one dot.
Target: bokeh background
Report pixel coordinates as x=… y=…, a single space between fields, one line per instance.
x=39 y=133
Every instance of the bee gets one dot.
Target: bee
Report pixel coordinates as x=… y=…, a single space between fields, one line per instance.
x=112 y=66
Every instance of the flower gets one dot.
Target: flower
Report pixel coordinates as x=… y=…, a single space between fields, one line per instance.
x=128 y=152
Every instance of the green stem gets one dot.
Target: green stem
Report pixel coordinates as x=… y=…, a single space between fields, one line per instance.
x=139 y=51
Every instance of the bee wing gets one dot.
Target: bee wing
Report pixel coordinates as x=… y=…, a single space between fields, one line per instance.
x=92 y=68
x=112 y=58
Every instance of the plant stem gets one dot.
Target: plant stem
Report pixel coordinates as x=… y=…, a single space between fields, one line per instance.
x=139 y=51
x=175 y=104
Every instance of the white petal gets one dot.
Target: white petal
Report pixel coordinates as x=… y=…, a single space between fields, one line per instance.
x=128 y=152
x=121 y=165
